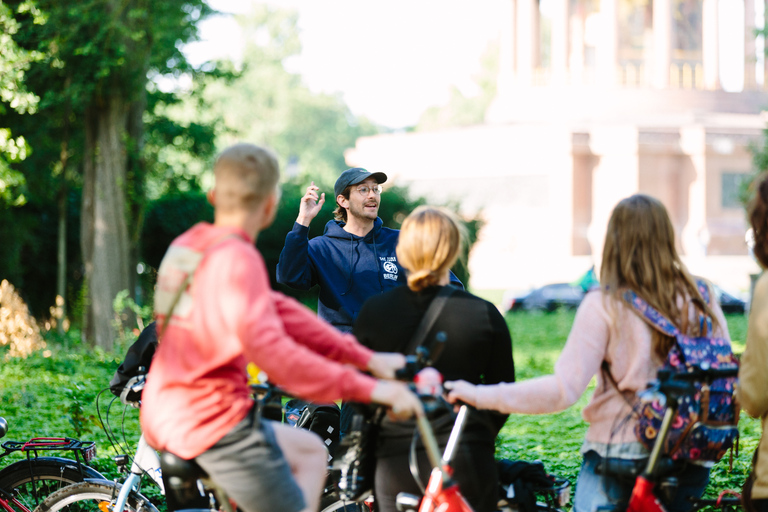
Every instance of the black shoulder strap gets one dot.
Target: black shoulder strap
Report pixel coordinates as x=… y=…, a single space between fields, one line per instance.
x=429 y=318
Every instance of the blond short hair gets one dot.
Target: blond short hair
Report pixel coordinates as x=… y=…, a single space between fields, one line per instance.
x=245 y=174
x=430 y=241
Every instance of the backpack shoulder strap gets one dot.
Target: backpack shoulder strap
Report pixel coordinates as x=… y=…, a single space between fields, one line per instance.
x=188 y=280
x=650 y=314
x=704 y=291
x=429 y=318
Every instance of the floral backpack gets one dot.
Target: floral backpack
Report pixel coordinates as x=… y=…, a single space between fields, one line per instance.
x=706 y=423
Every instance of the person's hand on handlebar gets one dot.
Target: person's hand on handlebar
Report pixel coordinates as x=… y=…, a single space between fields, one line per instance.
x=402 y=402
x=384 y=364
x=461 y=390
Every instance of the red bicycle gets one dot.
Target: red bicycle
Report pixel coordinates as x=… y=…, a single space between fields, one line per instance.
x=442 y=494
x=656 y=483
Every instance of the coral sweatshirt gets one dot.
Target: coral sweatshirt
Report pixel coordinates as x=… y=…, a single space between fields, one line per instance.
x=197 y=386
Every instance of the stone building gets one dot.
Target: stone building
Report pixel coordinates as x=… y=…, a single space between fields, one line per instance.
x=622 y=96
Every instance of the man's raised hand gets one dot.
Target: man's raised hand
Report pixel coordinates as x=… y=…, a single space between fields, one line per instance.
x=310 y=205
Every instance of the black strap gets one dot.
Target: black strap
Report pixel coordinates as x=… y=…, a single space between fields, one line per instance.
x=429 y=318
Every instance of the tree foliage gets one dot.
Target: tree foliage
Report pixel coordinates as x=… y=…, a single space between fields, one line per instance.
x=462 y=109
x=92 y=75
x=13 y=92
x=271 y=106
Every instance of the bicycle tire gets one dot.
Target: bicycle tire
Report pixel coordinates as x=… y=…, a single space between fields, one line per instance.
x=342 y=506
x=31 y=481
x=86 y=496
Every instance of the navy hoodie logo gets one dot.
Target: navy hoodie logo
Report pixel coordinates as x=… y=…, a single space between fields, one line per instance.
x=390 y=270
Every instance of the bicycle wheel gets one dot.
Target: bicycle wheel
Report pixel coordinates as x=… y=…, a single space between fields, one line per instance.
x=342 y=506
x=31 y=481
x=93 y=497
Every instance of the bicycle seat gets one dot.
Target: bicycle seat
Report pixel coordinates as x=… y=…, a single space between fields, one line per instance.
x=184 y=469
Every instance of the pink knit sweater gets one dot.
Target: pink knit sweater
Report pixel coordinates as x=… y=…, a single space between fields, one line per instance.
x=625 y=343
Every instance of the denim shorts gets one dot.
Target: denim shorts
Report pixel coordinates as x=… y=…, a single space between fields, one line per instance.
x=249 y=465
x=595 y=489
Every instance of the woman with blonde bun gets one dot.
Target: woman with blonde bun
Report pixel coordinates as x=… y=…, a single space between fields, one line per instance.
x=478 y=349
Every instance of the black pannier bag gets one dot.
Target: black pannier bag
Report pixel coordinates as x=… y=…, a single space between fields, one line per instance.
x=355 y=459
x=135 y=366
x=322 y=419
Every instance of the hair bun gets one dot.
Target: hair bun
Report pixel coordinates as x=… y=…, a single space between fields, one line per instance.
x=421 y=279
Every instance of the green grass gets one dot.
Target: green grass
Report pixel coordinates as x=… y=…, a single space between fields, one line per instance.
x=55 y=396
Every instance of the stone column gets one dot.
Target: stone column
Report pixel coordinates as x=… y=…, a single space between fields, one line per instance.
x=527 y=47
x=508 y=50
x=662 y=43
x=710 y=45
x=695 y=235
x=750 y=52
x=560 y=39
x=576 y=59
x=608 y=49
x=616 y=176
x=764 y=49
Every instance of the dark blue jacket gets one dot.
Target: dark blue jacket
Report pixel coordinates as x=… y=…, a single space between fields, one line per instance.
x=348 y=268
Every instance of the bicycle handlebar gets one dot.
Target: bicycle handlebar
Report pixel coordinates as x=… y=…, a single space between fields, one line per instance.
x=678 y=384
x=699 y=373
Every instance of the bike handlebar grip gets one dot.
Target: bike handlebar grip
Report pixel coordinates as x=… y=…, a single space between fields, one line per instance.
x=708 y=374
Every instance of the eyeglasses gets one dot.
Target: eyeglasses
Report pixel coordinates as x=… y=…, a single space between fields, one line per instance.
x=364 y=189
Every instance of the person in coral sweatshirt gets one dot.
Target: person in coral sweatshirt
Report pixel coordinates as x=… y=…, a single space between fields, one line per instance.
x=216 y=312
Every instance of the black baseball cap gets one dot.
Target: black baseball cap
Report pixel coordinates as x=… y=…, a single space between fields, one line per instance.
x=354 y=176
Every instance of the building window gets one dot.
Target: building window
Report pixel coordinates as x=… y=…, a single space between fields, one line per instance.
x=732 y=185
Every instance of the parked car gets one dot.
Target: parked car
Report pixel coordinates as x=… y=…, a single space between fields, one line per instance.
x=729 y=303
x=547 y=298
x=569 y=296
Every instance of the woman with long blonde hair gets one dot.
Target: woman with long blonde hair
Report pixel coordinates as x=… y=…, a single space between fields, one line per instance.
x=477 y=349
x=610 y=341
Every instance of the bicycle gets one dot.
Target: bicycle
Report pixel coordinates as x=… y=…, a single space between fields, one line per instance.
x=192 y=490
x=113 y=496
x=655 y=482
x=441 y=492
x=24 y=483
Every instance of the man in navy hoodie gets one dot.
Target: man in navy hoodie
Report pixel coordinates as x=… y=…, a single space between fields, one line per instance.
x=354 y=259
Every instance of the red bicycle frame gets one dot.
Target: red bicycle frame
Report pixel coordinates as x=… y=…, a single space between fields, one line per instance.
x=442 y=493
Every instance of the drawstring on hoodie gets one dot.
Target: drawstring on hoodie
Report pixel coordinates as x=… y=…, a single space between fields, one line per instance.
x=351 y=255
x=352 y=247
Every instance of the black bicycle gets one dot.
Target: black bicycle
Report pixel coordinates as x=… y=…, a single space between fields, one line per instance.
x=25 y=483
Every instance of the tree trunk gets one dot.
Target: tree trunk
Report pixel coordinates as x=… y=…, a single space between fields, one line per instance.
x=104 y=231
x=61 y=269
x=137 y=170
